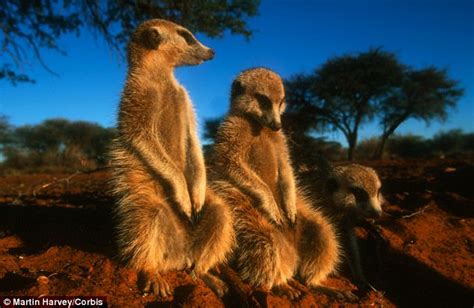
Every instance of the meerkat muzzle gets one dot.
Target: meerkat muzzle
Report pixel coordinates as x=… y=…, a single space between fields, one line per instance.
x=210 y=54
x=275 y=126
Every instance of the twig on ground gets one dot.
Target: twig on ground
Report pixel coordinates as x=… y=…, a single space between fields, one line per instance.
x=66 y=179
x=56 y=181
x=417 y=212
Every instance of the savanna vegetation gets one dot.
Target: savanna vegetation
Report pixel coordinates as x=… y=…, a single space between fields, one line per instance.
x=53 y=145
x=58 y=145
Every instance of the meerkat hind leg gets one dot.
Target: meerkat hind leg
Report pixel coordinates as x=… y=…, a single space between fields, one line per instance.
x=212 y=240
x=217 y=285
x=164 y=245
x=154 y=283
x=319 y=253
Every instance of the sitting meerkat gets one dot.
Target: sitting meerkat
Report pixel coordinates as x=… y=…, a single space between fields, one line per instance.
x=166 y=218
x=349 y=194
x=279 y=236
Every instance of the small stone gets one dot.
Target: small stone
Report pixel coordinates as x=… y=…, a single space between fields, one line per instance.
x=42 y=280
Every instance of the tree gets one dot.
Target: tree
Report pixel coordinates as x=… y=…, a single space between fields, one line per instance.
x=453 y=141
x=45 y=137
x=5 y=131
x=300 y=116
x=210 y=128
x=27 y=26
x=409 y=146
x=424 y=94
x=345 y=91
x=56 y=143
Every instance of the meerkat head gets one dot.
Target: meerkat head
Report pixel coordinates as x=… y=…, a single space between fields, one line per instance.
x=161 y=41
x=259 y=93
x=356 y=189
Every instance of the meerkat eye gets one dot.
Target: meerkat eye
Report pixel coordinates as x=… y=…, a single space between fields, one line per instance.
x=188 y=37
x=264 y=101
x=282 y=102
x=360 y=194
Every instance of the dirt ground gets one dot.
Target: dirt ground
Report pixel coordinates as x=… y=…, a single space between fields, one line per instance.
x=56 y=239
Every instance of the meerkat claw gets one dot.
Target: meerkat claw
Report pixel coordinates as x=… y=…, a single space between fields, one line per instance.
x=288 y=291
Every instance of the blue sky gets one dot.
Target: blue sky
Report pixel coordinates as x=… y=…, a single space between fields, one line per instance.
x=290 y=37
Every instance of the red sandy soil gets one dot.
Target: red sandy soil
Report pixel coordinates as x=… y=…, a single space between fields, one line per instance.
x=57 y=239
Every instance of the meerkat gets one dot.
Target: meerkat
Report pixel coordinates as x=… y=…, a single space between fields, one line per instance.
x=167 y=219
x=349 y=194
x=279 y=237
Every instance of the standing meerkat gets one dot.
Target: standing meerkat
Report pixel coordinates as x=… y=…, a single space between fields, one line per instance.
x=278 y=234
x=159 y=175
x=349 y=194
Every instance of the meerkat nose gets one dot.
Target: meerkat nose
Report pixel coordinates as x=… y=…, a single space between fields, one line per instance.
x=378 y=213
x=275 y=126
x=212 y=53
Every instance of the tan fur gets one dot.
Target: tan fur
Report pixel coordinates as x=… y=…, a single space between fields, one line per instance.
x=278 y=235
x=349 y=194
x=159 y=175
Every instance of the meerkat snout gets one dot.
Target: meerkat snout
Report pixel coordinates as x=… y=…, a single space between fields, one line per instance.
x=274 y=122
x=375 y=207
x=275 y=126
x=371 y=209
x=195 y=52
x=210 y=54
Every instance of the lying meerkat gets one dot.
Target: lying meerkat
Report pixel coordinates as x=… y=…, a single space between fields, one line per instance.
x=278 y=234
x=159 y=176
x=348 y=194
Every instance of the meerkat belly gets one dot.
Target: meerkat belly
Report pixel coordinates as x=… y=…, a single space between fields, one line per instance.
x=264 y=162
x=171 y=127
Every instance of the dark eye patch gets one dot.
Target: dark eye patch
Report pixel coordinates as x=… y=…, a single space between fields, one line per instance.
x=264 y=101
x=360 y=194
x=190 y=40
x=332 y=185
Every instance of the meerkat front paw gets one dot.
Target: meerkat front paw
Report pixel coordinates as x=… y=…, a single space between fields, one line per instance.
x=273 y=212
x=183 y=200
x=198 y=195
x=185 y=205
x=290 y=211
x=278 y=220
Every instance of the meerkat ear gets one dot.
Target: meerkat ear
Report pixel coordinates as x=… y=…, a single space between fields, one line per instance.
x=152 y=38
x=332 y=185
